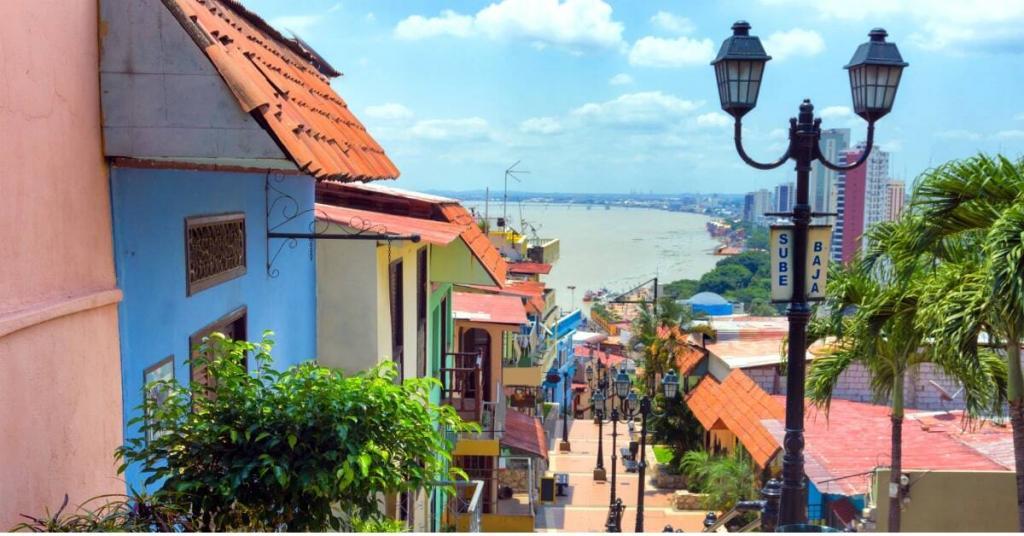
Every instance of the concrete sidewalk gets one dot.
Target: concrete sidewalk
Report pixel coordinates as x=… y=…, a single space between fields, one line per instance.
x=585 y=507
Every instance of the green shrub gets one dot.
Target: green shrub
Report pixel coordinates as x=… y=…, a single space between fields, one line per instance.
x=305 y=449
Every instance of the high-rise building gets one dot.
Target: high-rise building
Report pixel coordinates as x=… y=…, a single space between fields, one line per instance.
x=895 y=191
x=785 y=196
x=862 y=200
x=821 y=193
x=755 y=204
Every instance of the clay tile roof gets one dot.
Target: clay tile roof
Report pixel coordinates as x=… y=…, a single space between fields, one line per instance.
x=430 y=231
x=739 y=405
x=931 y=441
x=524 y=433
x=478 y=242
x=529 y=268
x=605 y=358
x=488 y=308
x=281 y=82
x=687 y=359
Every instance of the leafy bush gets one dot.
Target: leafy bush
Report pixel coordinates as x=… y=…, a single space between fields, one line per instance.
x=111 y=513
x=306 y=449
x=725 y=479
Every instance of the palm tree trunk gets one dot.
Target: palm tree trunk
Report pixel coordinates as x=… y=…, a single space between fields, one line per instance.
x=896 y=470
x=1015 y=394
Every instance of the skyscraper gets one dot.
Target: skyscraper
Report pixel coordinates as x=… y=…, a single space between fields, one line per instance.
x=895 y=192
x=862 y=200
x=821 y=193
x=755 y=204
x=785 y=196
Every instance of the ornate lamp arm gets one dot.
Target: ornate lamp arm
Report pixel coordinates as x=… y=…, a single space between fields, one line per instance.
x=738 y=136
x=863 y=157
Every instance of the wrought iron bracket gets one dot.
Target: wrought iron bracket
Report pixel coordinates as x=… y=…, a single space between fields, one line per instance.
x=283 y=209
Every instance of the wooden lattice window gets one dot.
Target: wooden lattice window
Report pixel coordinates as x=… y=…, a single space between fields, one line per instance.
x=214 y=250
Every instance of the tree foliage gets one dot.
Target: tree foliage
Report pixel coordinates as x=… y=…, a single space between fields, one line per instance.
x=305 y=449
x=725 y=479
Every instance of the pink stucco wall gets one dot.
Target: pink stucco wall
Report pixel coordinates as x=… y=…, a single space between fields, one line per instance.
x=60 y=401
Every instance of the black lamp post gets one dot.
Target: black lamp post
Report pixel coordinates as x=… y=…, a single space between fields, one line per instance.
x=670 y=388
x=565 y=447
x=597 y=401
x=875 y=71
x=621 y=387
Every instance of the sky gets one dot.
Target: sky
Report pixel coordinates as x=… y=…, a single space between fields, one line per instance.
x=611 y=96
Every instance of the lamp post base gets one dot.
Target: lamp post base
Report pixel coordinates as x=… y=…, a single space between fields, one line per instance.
x=600 y=475
x=563 y=446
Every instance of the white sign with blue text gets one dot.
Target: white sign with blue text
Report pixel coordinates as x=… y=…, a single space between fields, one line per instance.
x=781 y=255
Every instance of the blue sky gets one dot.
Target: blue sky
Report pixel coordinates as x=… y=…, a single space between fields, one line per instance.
x=617 y=96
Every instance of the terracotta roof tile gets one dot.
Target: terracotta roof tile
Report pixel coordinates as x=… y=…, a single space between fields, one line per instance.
x=529 y=268
x=478 y=243
x=283 y=88
x=607 y=359
x=488 y=308
x=740 y=405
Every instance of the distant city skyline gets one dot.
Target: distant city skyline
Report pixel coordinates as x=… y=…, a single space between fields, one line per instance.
x=609 y=96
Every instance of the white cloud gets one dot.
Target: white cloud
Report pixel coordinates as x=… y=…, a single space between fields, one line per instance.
x=648 y=107
x=370 y=17
x=470 y=128
x=795 y=42
x=1010 y=134
x=958 y=134
x=713 y=119
x=955 y=26
x=621 y=79
x=541 y=125
x=678 y=52
x=390 y=111
x=301 y=24
x=835 y=112
x=1019 y=117
x=778 y=134
x=568 y=23
x=892 y=146
x=449 y=23
x=671 y=22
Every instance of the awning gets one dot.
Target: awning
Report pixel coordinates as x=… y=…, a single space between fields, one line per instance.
x=529 y=268
x=488 y=308
x=524 y=433
x=430 y=231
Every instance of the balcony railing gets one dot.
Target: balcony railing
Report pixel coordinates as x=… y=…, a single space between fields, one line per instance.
x=462 y=384
x=465 y=506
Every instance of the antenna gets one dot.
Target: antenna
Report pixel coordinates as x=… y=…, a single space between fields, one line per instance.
x=510 y=172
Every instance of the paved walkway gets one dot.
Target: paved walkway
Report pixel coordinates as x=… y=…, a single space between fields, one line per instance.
x=585 y=508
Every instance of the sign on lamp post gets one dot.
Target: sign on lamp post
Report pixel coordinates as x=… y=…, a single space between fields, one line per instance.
x=781 y=255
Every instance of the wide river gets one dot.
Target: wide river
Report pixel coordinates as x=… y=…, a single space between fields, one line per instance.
x=615 y=248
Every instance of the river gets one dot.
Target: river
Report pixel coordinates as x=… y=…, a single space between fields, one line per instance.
x=615 y=248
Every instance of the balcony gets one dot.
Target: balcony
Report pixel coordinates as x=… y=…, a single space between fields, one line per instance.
x=462 y=384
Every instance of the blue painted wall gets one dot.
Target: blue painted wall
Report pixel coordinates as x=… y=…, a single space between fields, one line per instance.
x=156 y=315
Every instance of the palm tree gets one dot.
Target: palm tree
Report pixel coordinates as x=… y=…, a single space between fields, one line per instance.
x=973 y=217
x=884 y=334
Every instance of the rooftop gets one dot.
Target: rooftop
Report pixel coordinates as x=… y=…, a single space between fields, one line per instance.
x=530 y=268
x=430 y=231
x=931 y=441
x=739 y=405
x=524 y=433
x=478 y=242
x=488 y=308
x=283 y=83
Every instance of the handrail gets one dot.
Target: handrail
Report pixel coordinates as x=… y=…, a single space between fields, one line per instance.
x=741 y=507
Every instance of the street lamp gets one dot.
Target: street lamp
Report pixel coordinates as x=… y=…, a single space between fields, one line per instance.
x=564 y=446
x=597 y=402
x=875 y=72
x=670 y=388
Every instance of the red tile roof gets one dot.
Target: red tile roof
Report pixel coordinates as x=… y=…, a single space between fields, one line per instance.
x=687 y=358
x=605 y=358
x=489 y=308
x=524 y=433
x=478 y=242
x=281 y=83
x=740 y=406
x=430 y=231
x=529 y=268
x=533 y=293
x=930 y=442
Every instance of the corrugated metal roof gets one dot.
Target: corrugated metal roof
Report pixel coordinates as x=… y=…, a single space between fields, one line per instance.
x=488 y=308
x=285 y=90
x=430 y=231
x=524 y=433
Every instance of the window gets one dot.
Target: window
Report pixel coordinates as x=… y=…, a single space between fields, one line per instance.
x=214 y=250
x=397 y=313
x=162 y=371
x=232 y=325
x=421 y=313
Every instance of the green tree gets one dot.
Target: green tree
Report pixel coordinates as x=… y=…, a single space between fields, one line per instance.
x=757 y=262
x=724 y=479
x=973 y=216
x=885 y=335
x=682 y=289
x=725 y=279
x=306 y=449
x=757 y=238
